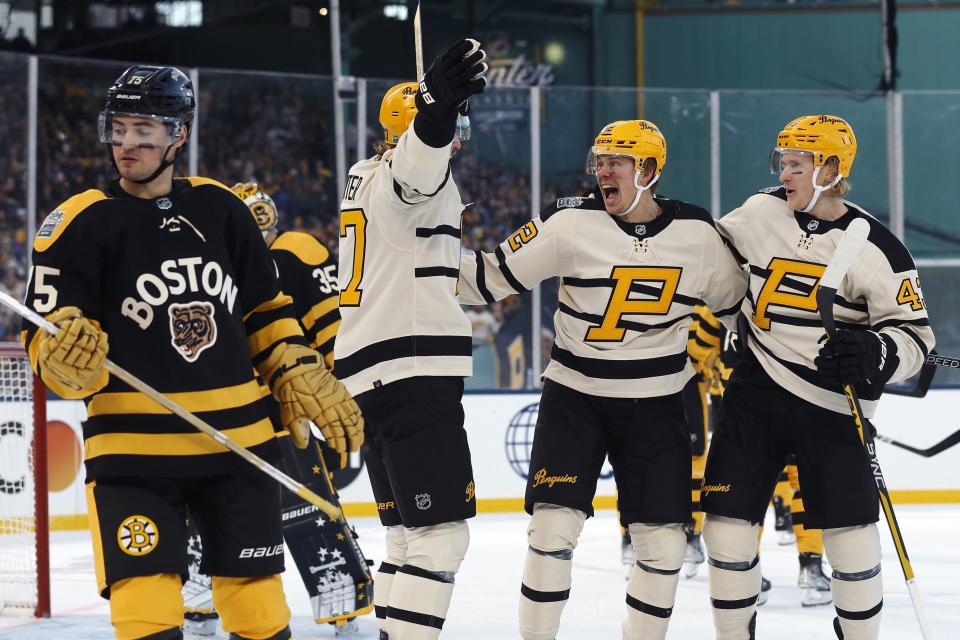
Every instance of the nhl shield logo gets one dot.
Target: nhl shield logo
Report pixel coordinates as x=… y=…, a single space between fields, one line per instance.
x=640 y=229
x=423 y=501
x=812 y=225
x=164 y=203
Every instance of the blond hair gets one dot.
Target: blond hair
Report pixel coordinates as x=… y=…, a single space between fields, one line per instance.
x=842 y=188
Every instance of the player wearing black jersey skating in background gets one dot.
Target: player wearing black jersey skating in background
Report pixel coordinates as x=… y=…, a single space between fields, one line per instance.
x=405 y=343
x=785 y=393
x=633 y=266
x=326 y=552
x=175 y=271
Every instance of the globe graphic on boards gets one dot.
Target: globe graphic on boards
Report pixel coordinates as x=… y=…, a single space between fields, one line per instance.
x=518 y=440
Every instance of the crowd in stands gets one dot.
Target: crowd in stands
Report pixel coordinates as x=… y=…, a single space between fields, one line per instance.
x=272 y=137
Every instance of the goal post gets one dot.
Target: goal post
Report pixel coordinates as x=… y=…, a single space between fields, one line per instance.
x=24 y=513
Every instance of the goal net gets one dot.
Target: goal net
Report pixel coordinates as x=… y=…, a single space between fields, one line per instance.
x=24 y=563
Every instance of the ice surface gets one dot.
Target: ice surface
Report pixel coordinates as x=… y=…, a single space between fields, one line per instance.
x=485 y=600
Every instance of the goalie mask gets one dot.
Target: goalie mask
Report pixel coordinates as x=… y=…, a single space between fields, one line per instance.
x=397 y=110
x=638 y=140
x=261 y=205
x=819 y=137
x=153 y=107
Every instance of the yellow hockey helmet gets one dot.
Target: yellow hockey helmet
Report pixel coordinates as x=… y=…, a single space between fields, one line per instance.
x=397 y=110
x=820 y=136
x=636 y=139
x=260 y=204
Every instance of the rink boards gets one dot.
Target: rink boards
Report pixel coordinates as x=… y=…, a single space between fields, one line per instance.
x=500 y=428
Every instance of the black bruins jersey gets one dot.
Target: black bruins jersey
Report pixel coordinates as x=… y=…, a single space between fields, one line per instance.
x=309 y=275
x=185 y=288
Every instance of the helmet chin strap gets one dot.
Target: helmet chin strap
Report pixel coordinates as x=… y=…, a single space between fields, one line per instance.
x=817 y=189
x=640 y=190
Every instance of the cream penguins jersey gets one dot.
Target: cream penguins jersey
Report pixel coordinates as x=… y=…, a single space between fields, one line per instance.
x=308 y=274
x=186 y=291
x=399 y=258
x=787 y=252
x=626 y=294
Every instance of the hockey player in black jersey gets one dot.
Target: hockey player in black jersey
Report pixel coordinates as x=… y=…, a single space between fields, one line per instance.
x=633 y=266
x=176 y=273
x=331 y=564
x=405 y=344
x=785 y=395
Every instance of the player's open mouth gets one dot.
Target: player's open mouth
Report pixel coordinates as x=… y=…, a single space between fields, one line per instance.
x=610 y=193
x=790 y=192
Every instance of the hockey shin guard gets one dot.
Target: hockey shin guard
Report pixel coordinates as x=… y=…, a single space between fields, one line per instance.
x=132 y=619
x=653 y=581
x=854 y=554
x=396 y=557
x=422 y=587
x=552 y=537
x=734 y=570
x=252 y=608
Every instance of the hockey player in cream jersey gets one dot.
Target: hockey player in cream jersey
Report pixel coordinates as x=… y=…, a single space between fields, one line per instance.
x=785 y=394
x=633 y=266
x=404 y=344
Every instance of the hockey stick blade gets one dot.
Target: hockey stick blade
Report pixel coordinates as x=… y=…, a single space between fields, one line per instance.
x=940 y=447
x=116 y=370
x=849 y=247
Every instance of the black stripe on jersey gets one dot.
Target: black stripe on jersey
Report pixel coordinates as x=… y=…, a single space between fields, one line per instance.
x=729 y=311
x=896 y=322
x=398 y=188
x=403 y=347
x=649 y=609
x=806 y=289
x=810 y=376
x=913 y=336
x=626 y=324
x=708 y=328
x=636 y=287
x=177 y=466
x=430 y=272
x=108 y=423
x=883 y=239
x=812 y=320
x=621 y=369
x=443 y=229
x=507 y=273
x=482 y=279
x=544 y=596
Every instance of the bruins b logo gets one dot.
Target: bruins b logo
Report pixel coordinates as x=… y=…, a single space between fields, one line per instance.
x=192 y=328
x=137 y=536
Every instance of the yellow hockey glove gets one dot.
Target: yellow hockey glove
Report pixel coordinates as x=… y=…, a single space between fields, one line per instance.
x=307 y=391
x=74 y=356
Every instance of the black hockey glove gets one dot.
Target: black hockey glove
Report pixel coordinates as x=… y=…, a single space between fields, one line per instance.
x=851 y=357
x=453 y=77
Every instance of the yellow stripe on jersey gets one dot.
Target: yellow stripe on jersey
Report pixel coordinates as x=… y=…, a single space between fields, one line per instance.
x=279 y=301
x=175 y=444
x=33 y=349
x=273 y=332
x=329 y=331
x=303 y=245
x=318 y=311
x=196 y=181
x=328 y=360
x=61 y=217
x=134 y=402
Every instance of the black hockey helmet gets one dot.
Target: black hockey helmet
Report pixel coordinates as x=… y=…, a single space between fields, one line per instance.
x=164 y=94
x=156 y=91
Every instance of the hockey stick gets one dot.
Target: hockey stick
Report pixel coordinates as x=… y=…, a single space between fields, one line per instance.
x=940 y=447
x=418 y=42
x=934 y=360
x=850 y=245
x=921 y=382
x=295 y=487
